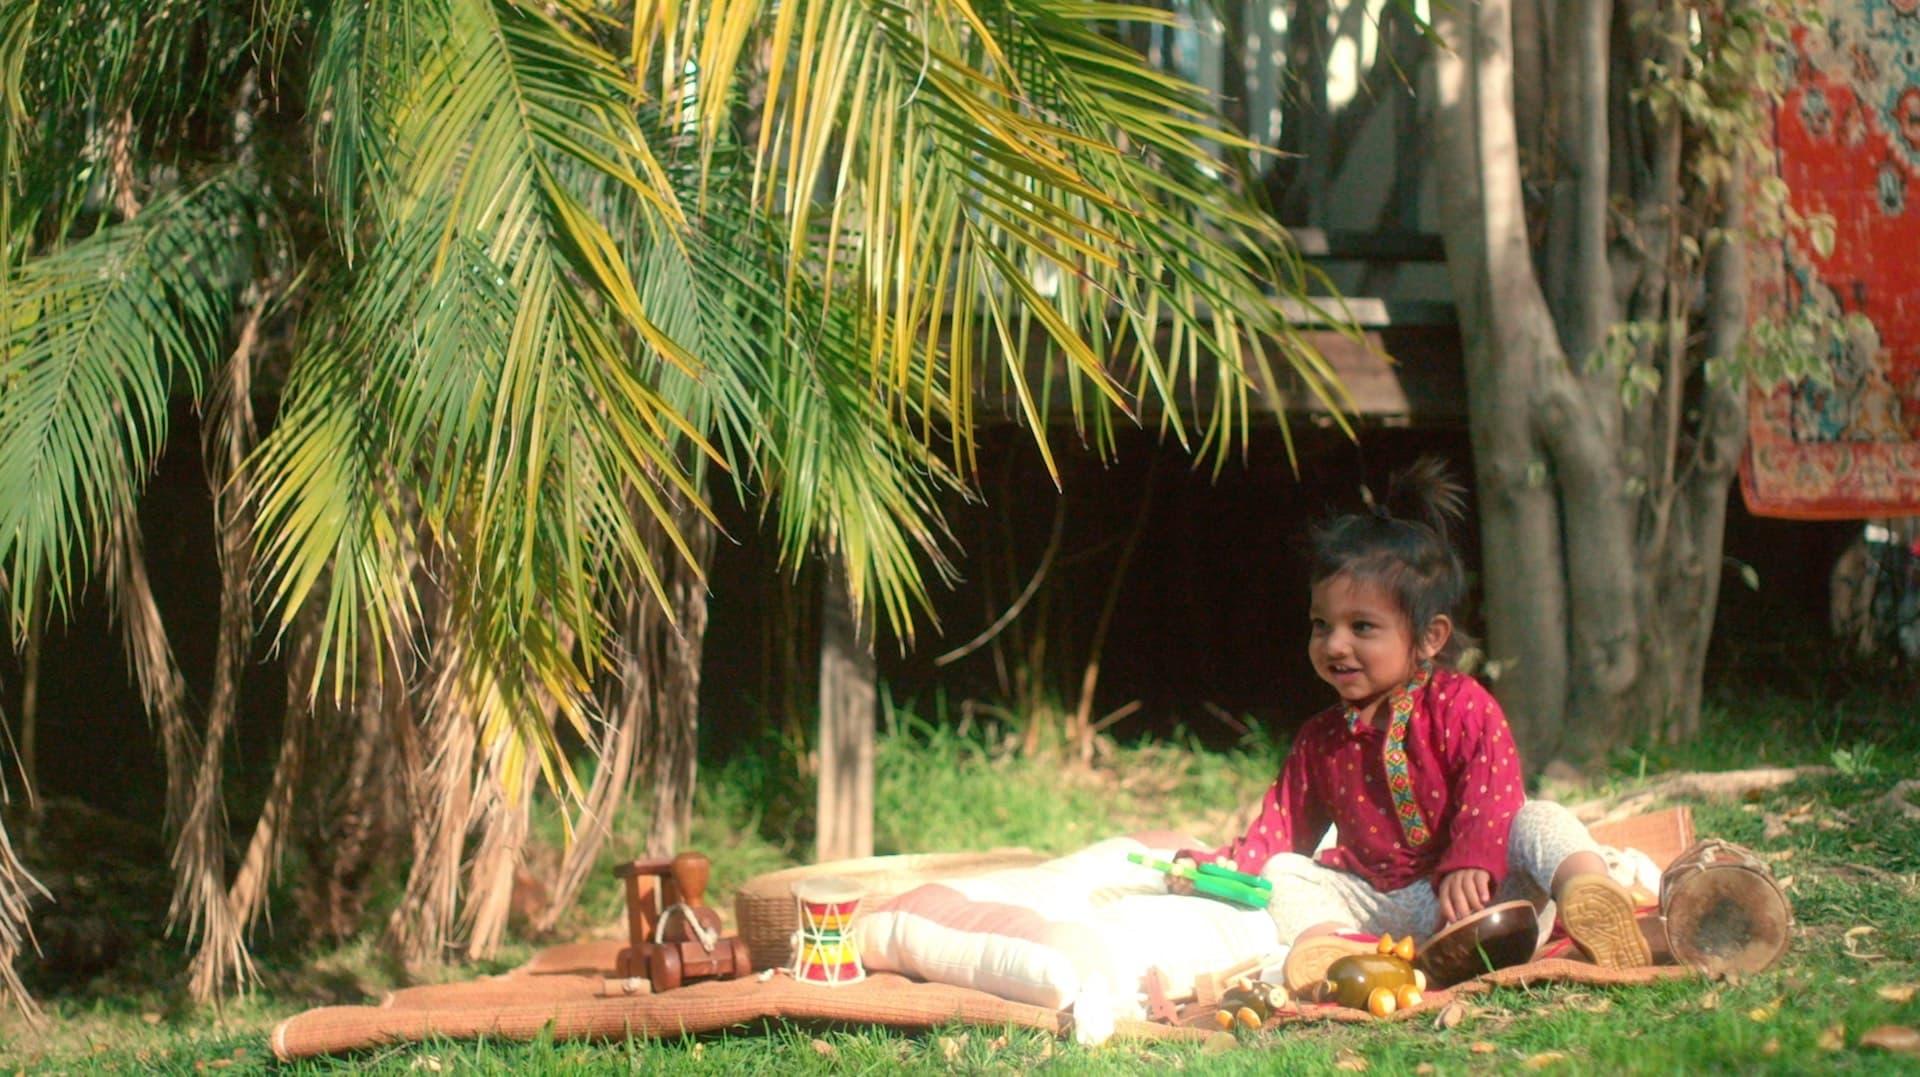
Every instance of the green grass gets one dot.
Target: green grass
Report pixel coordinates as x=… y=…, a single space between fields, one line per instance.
x=1852 y=861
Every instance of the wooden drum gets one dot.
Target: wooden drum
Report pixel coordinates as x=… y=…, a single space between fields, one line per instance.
x=1496 y=937
x=1723 y=910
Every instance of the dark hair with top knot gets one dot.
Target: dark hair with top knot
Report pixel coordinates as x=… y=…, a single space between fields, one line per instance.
x=1402 y=544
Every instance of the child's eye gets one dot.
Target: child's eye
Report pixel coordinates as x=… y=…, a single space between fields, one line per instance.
x=1363 y=626
x=1319 y=626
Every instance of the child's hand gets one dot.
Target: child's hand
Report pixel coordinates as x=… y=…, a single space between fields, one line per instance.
x=1464 y=892
x=1180 y=884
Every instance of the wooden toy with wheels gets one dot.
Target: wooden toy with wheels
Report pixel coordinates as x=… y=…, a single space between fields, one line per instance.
x=673 y=938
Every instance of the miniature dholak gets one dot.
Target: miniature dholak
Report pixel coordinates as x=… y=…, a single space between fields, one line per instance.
x=1723 y=910
x=823 y=948
x=1496 y=937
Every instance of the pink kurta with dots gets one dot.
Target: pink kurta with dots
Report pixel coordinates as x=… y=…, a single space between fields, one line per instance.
x=1466 y=781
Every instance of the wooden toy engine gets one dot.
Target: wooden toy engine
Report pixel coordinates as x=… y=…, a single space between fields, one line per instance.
x=673 y=938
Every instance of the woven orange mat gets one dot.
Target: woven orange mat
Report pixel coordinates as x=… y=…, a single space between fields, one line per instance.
x=571 y=990
x=576 y=1005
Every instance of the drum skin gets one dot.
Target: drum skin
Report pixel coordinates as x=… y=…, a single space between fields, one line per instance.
x=1723 y=910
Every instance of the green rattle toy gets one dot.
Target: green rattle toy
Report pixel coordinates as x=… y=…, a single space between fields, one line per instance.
x=1250 y=891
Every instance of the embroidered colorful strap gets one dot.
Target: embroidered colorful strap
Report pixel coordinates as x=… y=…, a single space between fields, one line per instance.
x=1399 y=779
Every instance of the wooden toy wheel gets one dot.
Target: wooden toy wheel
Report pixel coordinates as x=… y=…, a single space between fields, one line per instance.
x=663 y=966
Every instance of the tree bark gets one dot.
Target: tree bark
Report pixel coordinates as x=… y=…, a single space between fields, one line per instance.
x=1507 y=335
x=847 y=697
x=673 y=744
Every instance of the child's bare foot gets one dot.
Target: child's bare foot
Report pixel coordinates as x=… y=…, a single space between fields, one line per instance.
x=1598 y=913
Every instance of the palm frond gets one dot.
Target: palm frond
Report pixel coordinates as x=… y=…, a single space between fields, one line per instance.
x=18 y=888
x=94 y=339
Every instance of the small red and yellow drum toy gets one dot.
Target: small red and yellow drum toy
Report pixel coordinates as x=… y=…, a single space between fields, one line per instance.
x=823 y=948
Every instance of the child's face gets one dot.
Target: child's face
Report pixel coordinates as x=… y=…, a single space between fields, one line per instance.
x=1362 y=643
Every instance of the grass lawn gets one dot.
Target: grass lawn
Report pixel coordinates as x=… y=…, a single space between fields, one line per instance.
x=1851 y=863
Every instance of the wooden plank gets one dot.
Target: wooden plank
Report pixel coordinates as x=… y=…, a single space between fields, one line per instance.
x=844 y=821
x=1359 y=246
x=1397 y=376
x=1369 y=312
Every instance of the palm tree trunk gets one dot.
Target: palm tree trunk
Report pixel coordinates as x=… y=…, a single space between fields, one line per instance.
x=223 y=950
x=247 y=896
x=503 y=823
x=440 y=799
x=674 y=744
x=628 y=705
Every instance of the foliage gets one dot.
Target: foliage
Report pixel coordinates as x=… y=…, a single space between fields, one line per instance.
x=538 y=274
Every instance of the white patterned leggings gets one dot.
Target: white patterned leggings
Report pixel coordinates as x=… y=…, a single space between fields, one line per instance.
x=1306 y=893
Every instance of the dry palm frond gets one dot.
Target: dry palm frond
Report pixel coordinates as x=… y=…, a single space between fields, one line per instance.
x=626 y=709
x=248 y=894
x=441 y=802
x=17 y=888
x=197 y=824
x=502 y=819
x=651 y=704
x=163 y=690
x=223 y=946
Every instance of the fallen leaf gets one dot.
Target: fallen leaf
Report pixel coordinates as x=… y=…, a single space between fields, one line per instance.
x=1898 y=1039
x=1834 y=1038
x=1219 y=1043
x=1771 y=1047
x=1850 y=943
x=150 y=1018
x=998 y=1043
x=824 y=1049
x=1710 y=1000
x=1451 y=1014
x=1779 y=854
x=1482 y=1047
x=949 y=1048
x=1776 y=827
x=1544 y=1059
x=1764 y=1013
x=1787 y=883
x=1897 y=992
x=1351 y=1062
x=1424 y=1068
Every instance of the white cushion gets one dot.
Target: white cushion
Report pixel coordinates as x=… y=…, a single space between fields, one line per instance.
x=1091 y=923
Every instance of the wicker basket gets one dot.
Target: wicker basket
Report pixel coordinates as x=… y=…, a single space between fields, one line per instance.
x=766 y=918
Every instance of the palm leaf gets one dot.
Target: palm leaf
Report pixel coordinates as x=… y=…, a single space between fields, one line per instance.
x=94 y=340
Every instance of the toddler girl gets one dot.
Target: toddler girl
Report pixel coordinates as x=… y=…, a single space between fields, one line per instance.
x=1415 y=766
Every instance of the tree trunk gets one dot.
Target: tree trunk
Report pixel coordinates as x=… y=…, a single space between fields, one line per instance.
x=1605 y=517
x=672 y=744
x=845 y=805
x=1507 y=335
